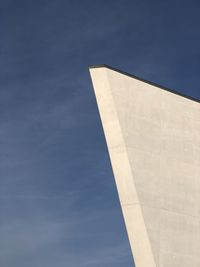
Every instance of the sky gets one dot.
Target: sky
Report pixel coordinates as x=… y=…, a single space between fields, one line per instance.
x=58 y=201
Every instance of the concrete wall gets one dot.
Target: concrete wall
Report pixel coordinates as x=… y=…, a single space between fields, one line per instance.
x=153 y=138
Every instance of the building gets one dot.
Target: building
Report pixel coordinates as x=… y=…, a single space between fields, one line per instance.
x=153 y=138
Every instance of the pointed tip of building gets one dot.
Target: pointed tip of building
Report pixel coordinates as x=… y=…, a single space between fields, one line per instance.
x=144 y=80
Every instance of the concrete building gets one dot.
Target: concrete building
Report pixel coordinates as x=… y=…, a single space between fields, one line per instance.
x=153 y=138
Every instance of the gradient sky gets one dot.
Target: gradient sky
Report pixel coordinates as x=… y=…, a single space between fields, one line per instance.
x=58 y=201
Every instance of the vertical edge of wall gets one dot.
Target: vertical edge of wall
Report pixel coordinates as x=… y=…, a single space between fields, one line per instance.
x=131 y=208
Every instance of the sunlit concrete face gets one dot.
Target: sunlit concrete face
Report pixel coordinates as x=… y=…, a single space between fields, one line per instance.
x=153 y=138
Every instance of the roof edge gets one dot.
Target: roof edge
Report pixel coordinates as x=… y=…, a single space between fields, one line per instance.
x=146 y=81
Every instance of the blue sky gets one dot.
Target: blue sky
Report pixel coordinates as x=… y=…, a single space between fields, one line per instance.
x=58 y=201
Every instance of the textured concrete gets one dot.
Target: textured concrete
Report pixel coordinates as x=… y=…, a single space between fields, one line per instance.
x=153 y=138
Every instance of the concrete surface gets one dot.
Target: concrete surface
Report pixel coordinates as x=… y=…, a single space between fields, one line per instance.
x=153 y=138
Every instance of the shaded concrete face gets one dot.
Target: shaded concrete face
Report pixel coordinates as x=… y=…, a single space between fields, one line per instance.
x=153 y=138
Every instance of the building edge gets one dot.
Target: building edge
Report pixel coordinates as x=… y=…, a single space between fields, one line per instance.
x=145 y=81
